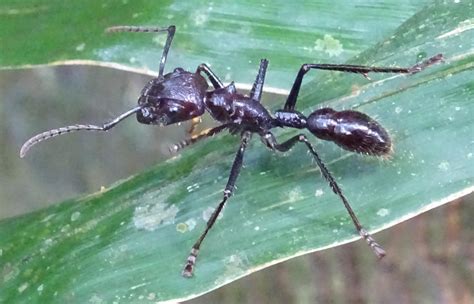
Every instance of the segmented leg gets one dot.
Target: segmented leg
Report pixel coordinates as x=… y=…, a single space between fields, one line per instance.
x=359 y=69
x=270 y=141
x=256 y=92
x=194 y=123
x=193 y=139
x=216 y=82
x=229 y=189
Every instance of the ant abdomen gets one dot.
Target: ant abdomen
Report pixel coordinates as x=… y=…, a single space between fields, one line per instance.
x=351 y=130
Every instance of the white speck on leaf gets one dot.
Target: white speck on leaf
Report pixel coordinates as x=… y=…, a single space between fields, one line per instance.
x=9 y=272
x=22 y=287
x=75 y=216
x=149 y=217
x=206 y=214
x=191 y=224
x=95 y=299
x=200 y=17
x=443 y=166
x=329 y=45
x=80 y=47
x=192 y=187
x=319 y=192
x=48 y=218
x=295 y=194
x=383 y=212
x=398 y=110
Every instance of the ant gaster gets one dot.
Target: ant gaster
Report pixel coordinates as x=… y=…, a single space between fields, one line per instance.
x=181 y=95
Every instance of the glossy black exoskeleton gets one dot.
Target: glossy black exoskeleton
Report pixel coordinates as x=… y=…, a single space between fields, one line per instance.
x=172 y=98
x=182 y=95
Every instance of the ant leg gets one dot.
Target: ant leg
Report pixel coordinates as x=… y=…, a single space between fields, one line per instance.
x=194 y=122
x=256 y=92
x=359 y=69
x=144 y=29
x=234 y=173
x=195 y=138
x=270 y=141
x=216 y=82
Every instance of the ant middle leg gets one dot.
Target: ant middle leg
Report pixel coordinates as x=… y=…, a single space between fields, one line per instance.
x=229 y=189
x=270 y=141
x=358 y=69
x=145 y=29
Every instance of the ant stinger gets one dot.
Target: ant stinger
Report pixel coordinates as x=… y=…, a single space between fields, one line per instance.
x=182 y=95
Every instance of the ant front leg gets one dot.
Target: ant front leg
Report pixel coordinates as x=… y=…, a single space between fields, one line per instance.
x=270 y=141
x=229 y=189
x=256 y=92
x=198 y=137
x=358 y=69
x=216 y=82
x=144 y=29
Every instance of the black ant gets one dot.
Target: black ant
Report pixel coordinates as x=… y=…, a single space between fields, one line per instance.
x=181 y=95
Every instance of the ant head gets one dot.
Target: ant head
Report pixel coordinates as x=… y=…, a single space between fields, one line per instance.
x=172 y=98
x=164 y=111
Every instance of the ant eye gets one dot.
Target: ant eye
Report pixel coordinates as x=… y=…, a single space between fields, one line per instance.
x=145 y=112
x=173 y=109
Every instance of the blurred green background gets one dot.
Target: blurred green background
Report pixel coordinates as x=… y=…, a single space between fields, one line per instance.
x=430 y=258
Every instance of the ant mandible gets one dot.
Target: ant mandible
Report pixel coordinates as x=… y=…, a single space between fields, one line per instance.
x=181 y=95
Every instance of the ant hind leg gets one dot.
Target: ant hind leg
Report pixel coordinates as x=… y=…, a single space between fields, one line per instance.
x=270 y=141
x=358 y=69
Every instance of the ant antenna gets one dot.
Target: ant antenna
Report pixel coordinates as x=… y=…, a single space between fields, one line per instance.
x=149 y=29
x=55 y=132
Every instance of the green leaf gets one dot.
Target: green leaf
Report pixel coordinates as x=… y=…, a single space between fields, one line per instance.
x=230 y=35
x=130 y=241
